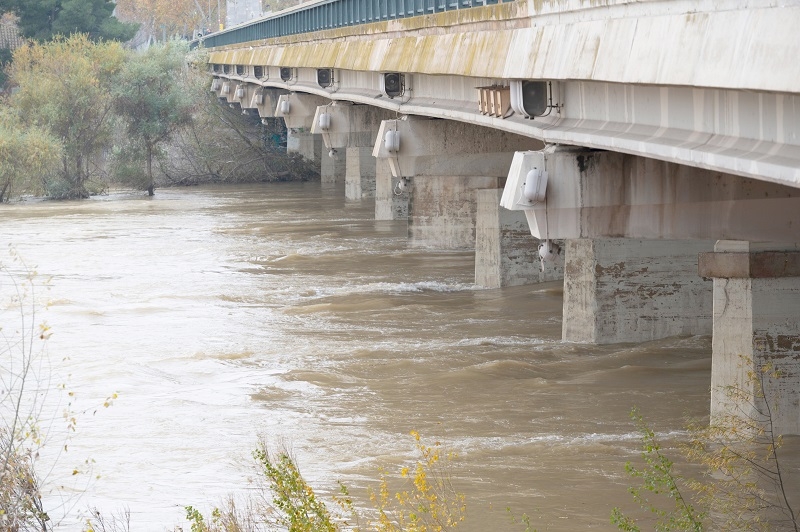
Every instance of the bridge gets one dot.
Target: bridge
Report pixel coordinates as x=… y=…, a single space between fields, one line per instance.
x=647 y=152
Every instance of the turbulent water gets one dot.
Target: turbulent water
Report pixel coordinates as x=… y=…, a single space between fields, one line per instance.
x=219 y=315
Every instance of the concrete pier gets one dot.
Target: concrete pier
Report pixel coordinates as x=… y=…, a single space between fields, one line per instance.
x=756 y=339
x=505 y=252
x=632 y=290
x=297 y=110
x=332 y=166
x=632 y=246
x=349 y=132
x=443 y=210
x=446 y=163
x=266 y=101
x=391 y=203
x=359 y=173
x=305 y=144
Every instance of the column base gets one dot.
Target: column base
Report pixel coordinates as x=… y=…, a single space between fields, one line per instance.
x=442 y=210
x=390 y=202
x=630 y=290
x=359 y=173
x=506 y=254
x=332 y=169
x=756 y=327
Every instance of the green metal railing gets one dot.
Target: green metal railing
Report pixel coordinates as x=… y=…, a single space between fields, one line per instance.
x=333 y=14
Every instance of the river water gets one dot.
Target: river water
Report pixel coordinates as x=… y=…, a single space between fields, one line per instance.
x=222 y=314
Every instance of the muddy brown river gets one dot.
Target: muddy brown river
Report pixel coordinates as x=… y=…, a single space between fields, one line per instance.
x=222 y=314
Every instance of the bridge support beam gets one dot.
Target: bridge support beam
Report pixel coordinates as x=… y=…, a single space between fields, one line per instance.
x=350 y=130
x=447 y=162
x=505 y=252
x=266 y=101
x=243 y=95
x=756 y=326
x=597 y=194
x=297 y=110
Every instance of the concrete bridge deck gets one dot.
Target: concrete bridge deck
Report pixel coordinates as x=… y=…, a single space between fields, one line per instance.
x=708 y=84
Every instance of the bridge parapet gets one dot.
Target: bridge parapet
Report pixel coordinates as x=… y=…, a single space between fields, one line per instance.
x=728 y=44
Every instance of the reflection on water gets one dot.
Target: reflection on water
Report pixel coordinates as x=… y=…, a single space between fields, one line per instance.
x=222 y=314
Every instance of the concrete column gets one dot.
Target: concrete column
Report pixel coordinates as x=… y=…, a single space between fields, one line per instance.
x=298 y=113
x=359 y=172
x=333 y=167
x=756 y=323
x=350 y=131
x=631 y=290
x=443 y=210
x=391 y=203
x=447 y=162
x=505 y=252
x=305 y=144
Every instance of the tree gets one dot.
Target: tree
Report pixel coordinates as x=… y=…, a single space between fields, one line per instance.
x=5 y=59
x=222 y=144
x=9 y=39
x=428 y=502
x=43 y=20
x=65 y=87
x=160 y=18
x=751 y=488
x=151 y=100
x=745 y=486
x=27 y=155
x=22 y=363
x=658 y=478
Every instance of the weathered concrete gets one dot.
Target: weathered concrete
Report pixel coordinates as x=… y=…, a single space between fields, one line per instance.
x=243 y=95
x=348 y=124
x=678 y=43
x=391 y=203
x=298 y=110
x=266 y=101
x=505 y=252
x=606 y=194
x=698 y=83
x=465 y=158
x=222 y=89
x=628 y=290
x=446 y=148
x=350 y=130
x=443 y=210
x=333 y=168
x=359 y=173
x=756 y=324
x=306 y=144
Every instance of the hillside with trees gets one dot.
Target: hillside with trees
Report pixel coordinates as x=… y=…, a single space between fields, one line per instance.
x=88 y=113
